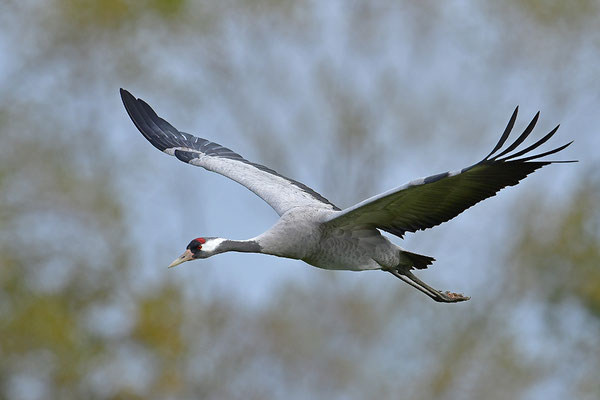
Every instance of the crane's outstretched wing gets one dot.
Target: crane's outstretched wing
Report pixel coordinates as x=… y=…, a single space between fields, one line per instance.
x=427 y=202
x=279 y=192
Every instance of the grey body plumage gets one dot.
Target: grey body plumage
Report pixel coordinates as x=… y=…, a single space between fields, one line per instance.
x=309 y=239
x=314 y=230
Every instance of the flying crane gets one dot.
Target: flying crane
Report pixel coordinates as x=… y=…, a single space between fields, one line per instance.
x=312 y=229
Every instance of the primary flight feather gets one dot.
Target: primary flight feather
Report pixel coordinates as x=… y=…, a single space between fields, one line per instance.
x=313 y=229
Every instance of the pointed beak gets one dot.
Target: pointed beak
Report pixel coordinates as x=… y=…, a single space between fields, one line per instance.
x=187 y=256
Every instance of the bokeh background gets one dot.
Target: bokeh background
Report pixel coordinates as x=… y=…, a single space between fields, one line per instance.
x=350 y=97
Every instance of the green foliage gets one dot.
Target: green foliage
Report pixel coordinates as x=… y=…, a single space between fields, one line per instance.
x=553 y=12
x=563 y=249
x=108 y=14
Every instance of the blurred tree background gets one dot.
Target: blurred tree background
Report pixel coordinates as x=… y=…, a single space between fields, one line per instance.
x=376 y=92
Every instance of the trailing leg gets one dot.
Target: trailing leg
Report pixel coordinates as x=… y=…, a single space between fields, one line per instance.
x=442 y=297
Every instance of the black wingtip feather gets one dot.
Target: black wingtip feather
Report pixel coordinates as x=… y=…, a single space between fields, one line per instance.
x=156 y=130
x=137 y=116
x=547 y=153
x=533 y=146
x=506 y=132
x=513 y=157
x=521 y=137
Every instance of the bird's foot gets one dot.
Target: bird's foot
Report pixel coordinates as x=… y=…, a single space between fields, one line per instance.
x=451 y=297
x=441 y=297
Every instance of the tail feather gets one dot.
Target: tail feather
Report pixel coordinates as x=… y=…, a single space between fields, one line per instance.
x=418 y=261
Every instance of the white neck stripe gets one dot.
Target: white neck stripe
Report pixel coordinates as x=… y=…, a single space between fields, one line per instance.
x=212 y=244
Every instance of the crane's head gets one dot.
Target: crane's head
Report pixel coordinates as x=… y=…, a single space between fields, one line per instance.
x=198 y=248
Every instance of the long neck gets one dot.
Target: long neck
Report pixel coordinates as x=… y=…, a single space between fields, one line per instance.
x=244 y=246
